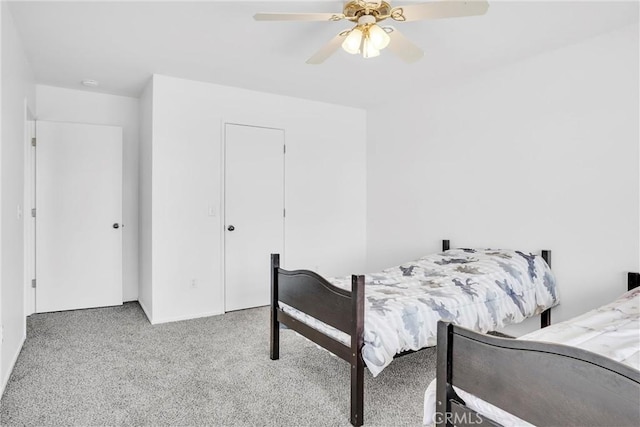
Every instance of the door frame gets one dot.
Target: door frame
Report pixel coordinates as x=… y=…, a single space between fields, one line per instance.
x=29 y=203
x=222 y=213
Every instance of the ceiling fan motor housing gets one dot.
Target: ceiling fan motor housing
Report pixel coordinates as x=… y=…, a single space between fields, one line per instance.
x=353 y=10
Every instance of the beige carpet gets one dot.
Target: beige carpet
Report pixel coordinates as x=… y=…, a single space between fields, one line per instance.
x=109 y=366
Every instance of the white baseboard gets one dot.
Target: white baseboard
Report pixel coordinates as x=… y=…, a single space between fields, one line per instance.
x=13 y=364
x=185 y=317
x=155 y=321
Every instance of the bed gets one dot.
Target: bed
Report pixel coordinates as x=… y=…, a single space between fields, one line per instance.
x=585 y=373
x=483 y=289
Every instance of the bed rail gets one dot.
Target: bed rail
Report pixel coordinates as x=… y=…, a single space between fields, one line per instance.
x=542 y=383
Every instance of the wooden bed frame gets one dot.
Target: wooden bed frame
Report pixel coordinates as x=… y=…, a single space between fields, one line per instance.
x=310 y=293
x=541 y=383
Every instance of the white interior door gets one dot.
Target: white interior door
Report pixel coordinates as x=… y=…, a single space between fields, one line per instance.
x=254 y=212
x=78 y=221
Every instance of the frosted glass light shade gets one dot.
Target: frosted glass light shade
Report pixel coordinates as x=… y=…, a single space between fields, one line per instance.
x=369 y=50
x=378 y=37
x=353 y=41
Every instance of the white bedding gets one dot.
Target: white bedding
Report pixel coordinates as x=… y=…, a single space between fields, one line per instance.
x=480 y=289
x=612 y=330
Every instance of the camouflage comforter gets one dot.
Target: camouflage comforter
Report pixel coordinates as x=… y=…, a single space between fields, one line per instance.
x=480 y=289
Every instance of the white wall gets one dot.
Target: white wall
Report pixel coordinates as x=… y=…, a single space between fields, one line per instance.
x=3 y=382
x=145 y=290
x=325 y=188
x=540 y=154
x=17 y=92
x=79 y=106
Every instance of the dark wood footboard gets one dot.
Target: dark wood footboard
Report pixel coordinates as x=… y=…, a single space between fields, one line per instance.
x=309 y=293
x=542 y=383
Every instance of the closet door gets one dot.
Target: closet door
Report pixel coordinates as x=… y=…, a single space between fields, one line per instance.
x=254 y=212
x=78 y=216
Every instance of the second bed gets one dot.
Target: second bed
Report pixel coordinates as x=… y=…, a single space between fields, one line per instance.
x=592 y=378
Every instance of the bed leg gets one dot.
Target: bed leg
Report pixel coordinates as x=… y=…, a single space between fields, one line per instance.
x=357 y=393
x=443 y=373
x=357 y=342
x=545 y=318
x=274 y=348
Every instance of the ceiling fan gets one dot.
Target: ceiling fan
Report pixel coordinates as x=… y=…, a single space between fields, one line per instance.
x=368 y=38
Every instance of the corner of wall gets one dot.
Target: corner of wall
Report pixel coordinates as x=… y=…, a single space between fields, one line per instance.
x=17 y=91
x=147 y=311
x=14 y=359
x=145 y=201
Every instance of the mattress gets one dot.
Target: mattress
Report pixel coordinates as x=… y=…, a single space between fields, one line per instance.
x=612 y=330
x=480 y=289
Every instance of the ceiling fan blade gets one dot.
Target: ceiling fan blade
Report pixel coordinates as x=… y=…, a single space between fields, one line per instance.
x=328 y=49
x=298 y=16
x=439 y=9
x=402 y=46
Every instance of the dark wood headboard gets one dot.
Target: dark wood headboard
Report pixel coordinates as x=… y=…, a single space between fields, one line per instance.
x=542 y=383
x=633 y=281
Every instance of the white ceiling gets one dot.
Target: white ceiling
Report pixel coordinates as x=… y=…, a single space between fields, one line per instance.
x=121 y=44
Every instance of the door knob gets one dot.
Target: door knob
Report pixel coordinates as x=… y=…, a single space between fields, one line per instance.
x=116 y=225
x=231 y=228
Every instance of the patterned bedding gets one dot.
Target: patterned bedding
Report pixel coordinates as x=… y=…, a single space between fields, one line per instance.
x=612 y=330
x=481 y=289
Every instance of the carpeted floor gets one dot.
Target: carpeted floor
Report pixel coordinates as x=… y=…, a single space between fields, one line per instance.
x=109 y=366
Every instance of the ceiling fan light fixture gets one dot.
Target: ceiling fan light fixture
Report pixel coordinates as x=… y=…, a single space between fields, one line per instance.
x=352 y=42
x=378 y=37
x=367 y=39
x=369 y=50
